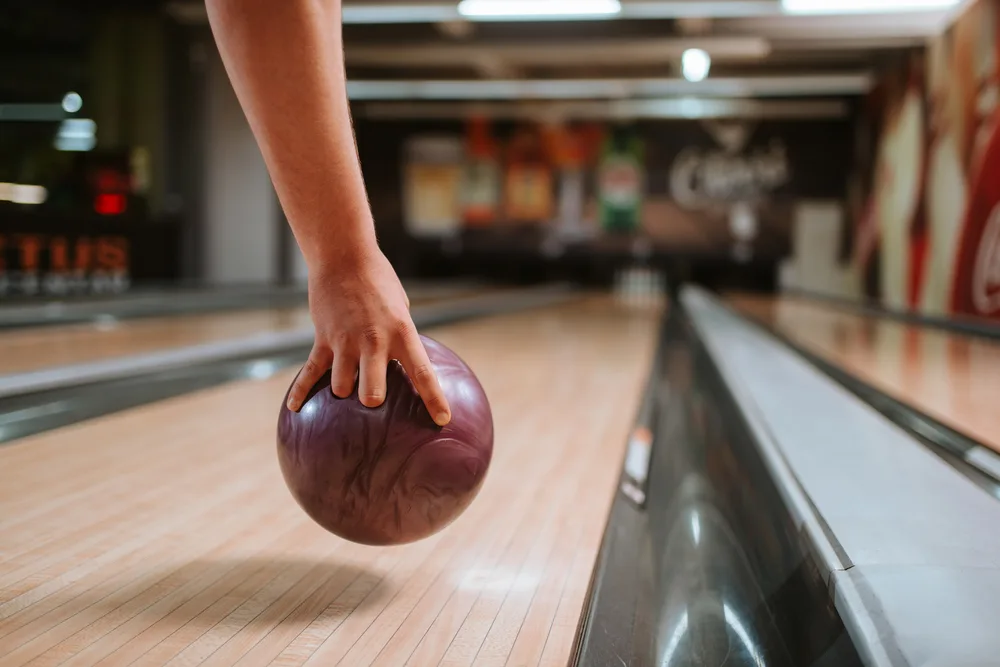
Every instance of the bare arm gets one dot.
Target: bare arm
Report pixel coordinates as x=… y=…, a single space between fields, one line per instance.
x=285 y=60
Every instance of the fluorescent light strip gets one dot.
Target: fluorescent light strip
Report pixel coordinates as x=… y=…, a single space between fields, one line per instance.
x=385 y=14
x=32 y=112
x=683 y=108
x=19 y=193
x=431 y=12
x=864 y=6
x=675 y=9
x=535 y=9
x=569 y=89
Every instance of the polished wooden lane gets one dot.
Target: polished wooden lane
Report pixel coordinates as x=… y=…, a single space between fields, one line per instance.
x=950 y=377
x=165 y=535
x=31 y=349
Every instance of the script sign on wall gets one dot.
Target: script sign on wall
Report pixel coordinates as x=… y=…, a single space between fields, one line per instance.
x=730 y=171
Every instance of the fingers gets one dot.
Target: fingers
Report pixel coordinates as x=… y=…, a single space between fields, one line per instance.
x=343 y=373
x=371 y=377
x=418 y=367
x=367 y=368
x=312 y=371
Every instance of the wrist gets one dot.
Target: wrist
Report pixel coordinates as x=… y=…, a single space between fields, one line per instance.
x=344 y=256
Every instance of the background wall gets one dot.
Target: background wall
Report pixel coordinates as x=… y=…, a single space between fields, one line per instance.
x=927 y=202
x=241 y=209
x=722 y=192
x=103 y=218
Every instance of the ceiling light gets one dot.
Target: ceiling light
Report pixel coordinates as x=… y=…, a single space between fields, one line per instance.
x=72 y=102
x=18 y=193
x=695 y=64
x=863 y=6
x=76 y=134
x=535 y=9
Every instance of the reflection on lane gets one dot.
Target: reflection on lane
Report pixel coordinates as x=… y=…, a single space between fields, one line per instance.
x=735 y=584
x=950 y=377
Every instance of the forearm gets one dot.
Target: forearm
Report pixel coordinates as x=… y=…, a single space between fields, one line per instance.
x=285 y=60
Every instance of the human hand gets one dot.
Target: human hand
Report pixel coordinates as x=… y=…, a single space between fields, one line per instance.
x=361 y=316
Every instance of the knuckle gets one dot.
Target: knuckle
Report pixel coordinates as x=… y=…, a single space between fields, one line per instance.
x=372 y=337
x=404 y=329
x=422 y=373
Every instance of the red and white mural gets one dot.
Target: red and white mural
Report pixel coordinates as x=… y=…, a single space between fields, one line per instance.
x=928 y=222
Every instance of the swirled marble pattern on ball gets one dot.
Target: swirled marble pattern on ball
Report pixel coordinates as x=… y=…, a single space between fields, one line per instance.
x=388 y=475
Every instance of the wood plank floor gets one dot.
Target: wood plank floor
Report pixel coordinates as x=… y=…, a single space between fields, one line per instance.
x=165 y=535
x=950 y=377
x=23 y=350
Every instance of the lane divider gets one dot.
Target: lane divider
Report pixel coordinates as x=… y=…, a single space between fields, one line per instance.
x=262 y=344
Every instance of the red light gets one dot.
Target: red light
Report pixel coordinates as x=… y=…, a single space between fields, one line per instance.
x=109 y=204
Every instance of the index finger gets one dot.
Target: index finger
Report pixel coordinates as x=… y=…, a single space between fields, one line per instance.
x=418 y=367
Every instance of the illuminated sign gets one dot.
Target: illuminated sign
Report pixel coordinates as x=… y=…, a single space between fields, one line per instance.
x=57 y=264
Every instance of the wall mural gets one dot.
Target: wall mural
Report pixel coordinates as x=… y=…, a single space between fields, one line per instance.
x=716 y=188
x=927 y=236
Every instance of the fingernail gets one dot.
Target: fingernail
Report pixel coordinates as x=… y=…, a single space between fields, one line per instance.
x=442 y=418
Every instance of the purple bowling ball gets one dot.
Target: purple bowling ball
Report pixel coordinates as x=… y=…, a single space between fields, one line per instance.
x=388 y=475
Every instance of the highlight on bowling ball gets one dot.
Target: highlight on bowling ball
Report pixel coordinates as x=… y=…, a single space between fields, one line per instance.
x=388 y=475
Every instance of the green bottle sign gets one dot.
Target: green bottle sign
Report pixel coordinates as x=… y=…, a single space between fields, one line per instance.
x=621 y=182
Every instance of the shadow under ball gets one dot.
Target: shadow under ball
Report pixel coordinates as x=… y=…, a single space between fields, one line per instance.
x=388 y=475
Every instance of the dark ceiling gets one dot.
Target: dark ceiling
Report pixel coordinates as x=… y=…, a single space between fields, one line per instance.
x=43 y=44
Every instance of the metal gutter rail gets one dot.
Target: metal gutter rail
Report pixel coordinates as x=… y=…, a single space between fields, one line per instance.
x=703 y=560
x=913 y=536
x=779 y=519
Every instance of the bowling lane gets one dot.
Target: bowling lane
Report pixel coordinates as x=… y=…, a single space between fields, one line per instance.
x=33 y=349
x=49 y=347
x=947 y=376
x=165 y=535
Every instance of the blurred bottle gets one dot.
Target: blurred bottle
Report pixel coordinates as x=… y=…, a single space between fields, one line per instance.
x=433 y=175
x=621 y=181
x=528 y=186
x=481 y=186
x=566 y=148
